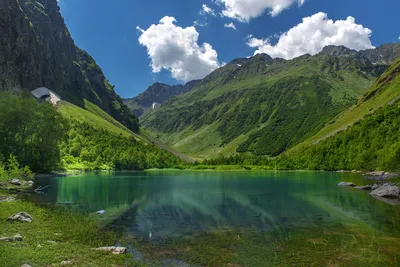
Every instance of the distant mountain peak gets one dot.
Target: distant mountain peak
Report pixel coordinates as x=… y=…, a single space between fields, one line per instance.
x=337 y=50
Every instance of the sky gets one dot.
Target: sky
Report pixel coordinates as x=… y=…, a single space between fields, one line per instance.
x=138 y=43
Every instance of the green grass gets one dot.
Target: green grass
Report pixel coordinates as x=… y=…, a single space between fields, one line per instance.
x=55 y=236
x=94 y=116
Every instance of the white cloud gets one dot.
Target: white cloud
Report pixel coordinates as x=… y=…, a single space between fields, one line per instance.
x=245 y=10
x=205 y=10
x=176 y=49
x=312 y=35
x=230 y=25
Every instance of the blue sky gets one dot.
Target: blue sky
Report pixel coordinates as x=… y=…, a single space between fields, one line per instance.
x=133 y=56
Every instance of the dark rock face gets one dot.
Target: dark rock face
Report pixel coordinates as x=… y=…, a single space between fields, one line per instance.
x=36 y=50
x=385 y=54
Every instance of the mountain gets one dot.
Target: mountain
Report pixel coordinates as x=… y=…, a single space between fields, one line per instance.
x=364 y=137
x=155 y=95
x=37 y=50
x=266 y=106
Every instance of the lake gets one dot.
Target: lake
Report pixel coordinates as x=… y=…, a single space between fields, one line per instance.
x=167 y=205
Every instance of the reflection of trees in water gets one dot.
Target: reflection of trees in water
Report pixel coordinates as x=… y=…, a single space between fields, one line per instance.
x=174 y=204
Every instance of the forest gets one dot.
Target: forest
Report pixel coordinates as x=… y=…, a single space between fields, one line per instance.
x=36 y=137
x=372 y=143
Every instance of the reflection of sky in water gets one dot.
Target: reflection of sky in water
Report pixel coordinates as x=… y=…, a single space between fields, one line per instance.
x=179 y=203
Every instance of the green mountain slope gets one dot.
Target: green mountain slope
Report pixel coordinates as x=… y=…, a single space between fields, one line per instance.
x=263 y=105
x=37 y=50
x=364 y=137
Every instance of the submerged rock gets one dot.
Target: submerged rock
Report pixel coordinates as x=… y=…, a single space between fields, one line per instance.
x=114 y=250
x=346 y=184
x=20 y=217
x=387 y=190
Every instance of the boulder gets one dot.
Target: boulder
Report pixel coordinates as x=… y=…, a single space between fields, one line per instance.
x=66 y=263
x=114 y=250
x=15 y=181
x=387 y=190
x=20 y=217
x=346 y=184
x=101 y=212
x=25 y=265
x=364 y=187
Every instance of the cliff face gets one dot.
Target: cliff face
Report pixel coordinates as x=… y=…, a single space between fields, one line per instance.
x=36 y=49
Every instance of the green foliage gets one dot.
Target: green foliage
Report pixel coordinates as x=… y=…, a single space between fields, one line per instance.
x=262 y=105
x=98 y=149
x=14 y=169
x=31 y=132
x=371 y=144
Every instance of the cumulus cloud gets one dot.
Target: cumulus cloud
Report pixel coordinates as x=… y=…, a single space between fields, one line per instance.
x=205 y=10
x=230 y=25
x=176 y=49
x=312 y=35
x=245 y=10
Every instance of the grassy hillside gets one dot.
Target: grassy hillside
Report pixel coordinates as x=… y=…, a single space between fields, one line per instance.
x=94 y=116
x=385 y=90
x=262 y=105
x=364 y=137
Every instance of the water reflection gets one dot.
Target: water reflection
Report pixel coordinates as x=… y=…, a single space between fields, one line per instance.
x=162 y=204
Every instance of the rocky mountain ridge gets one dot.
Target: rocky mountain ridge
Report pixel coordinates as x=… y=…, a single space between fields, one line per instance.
x=37 y=50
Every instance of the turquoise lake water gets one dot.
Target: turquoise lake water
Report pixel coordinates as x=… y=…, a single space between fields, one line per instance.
x=160 y=205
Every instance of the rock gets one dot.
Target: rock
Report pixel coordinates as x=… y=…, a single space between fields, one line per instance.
x=20 y=217
x=66 y=263
x=15 y=182
x=17 y=237
x=101 y=212
x=52 y=242
x=346 y=184
x=364 y=187
x=25 y=265
x=375 y=186
x=387 y=190
x=114 y=250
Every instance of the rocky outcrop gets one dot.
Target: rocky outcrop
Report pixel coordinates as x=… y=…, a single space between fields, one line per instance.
x=36 y=50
